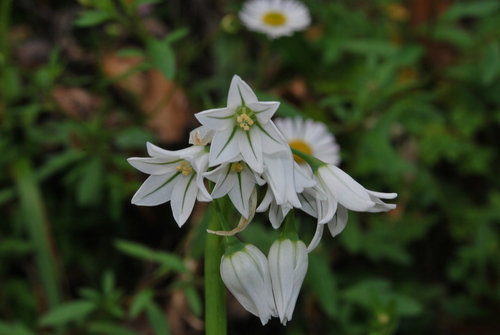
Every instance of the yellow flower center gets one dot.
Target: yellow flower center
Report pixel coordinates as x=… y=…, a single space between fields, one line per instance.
x=244 y=121
x=237 y=167
x=185 y=168
x=302 y=146
x=274 y=19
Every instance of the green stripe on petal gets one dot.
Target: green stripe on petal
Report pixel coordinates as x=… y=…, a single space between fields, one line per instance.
x=265 y=132
x=162 y=185
x=228 y=140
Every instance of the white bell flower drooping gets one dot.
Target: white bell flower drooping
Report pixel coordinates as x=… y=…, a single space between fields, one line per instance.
x=176 y=176
x=288 y=262
x=275 y=18
x=243 y=128
x=245 y=272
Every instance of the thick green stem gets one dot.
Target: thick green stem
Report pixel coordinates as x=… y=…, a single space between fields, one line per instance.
x=4 y=26
x=37 y=225
x=215 y=291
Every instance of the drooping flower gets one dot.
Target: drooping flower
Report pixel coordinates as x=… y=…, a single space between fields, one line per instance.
x=245 y=272
x=237 y=180
x=342 y=189
x=243 y=128
x=275 y=18
x=310 y=137
x=288 y=264
x=176 y=176
x=201 y=136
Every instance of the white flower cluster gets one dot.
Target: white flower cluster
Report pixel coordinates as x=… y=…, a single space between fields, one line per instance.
x=248 y=151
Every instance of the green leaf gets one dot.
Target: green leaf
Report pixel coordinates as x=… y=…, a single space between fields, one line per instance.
x=176 y=35
x=471 y=9
x=157 y=320
x=143 y=2
x=58 y=163
x=194 y=300
x=130 y=52
x=106 y=328
x=92 y=18
x=490 y=66
x=68 y=312
x=168 y=260
x=141 y=300
x=162 y=56
x=321 y=281
x=90 y=183
x=14 y=329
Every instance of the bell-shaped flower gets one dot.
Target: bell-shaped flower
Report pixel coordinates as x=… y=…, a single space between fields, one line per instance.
x=288 y=264
x=237 y=180
x=245 y=272
x=243 y=128
x=280 y=179
x=343 y=189
x=176 y=176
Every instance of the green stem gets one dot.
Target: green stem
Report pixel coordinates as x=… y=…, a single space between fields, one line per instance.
x=37 y=225
x=313 y=162
x=215 y=291
x=264 y=59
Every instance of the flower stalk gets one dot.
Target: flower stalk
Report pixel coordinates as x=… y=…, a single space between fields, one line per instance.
x=215 y=291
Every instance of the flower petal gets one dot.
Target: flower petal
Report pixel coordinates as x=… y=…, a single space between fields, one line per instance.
x=183 y=198
x=345 y=189
x=339 y=221
x=224 y=147
x=240 y=93
x=217 y=118
x=156 y=190
x=250 y=146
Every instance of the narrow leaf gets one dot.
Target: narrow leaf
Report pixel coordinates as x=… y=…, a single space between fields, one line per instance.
x=68 y=312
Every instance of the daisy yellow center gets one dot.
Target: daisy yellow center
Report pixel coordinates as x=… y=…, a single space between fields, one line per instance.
x=274 y=19
x=244 y=121
x=302 y=146
x=185 y=168
x=237 y=167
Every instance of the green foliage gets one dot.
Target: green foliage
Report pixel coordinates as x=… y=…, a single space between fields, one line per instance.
x=411 y=96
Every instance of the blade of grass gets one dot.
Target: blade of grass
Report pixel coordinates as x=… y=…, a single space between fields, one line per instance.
x=37 y=226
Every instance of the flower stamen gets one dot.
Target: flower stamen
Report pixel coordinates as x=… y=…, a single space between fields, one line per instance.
x=236 y=167
x=244 y=121
x=185 y=168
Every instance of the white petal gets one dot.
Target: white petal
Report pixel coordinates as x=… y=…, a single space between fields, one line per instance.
x=345 y=189
x=264 y=110
x=250 y=146
x=240 y=93
x=155 y=165
x=217 y=119
x=183 y=198
x=224 y=147
x=154 y=150
x=156 y=190
x=339 y=221
x=316 y=238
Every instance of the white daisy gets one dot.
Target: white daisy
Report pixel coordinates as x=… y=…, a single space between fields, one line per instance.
x=310 y=137
x=275 y=18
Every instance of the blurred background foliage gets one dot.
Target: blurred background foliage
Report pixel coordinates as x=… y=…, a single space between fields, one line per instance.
x=411 y=90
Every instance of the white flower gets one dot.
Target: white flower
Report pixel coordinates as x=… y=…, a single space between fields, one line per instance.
x=288 y=263
x=291 y=197
x=243 y=128
x=175 y=176
x=201 y=136
x=275 y=18
x=310 y=137
x=340 y=188
x=238 y=181
x=246 y=274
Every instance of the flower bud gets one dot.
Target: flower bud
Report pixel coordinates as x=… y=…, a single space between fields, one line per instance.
x=246 y=274
x=288 y=266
